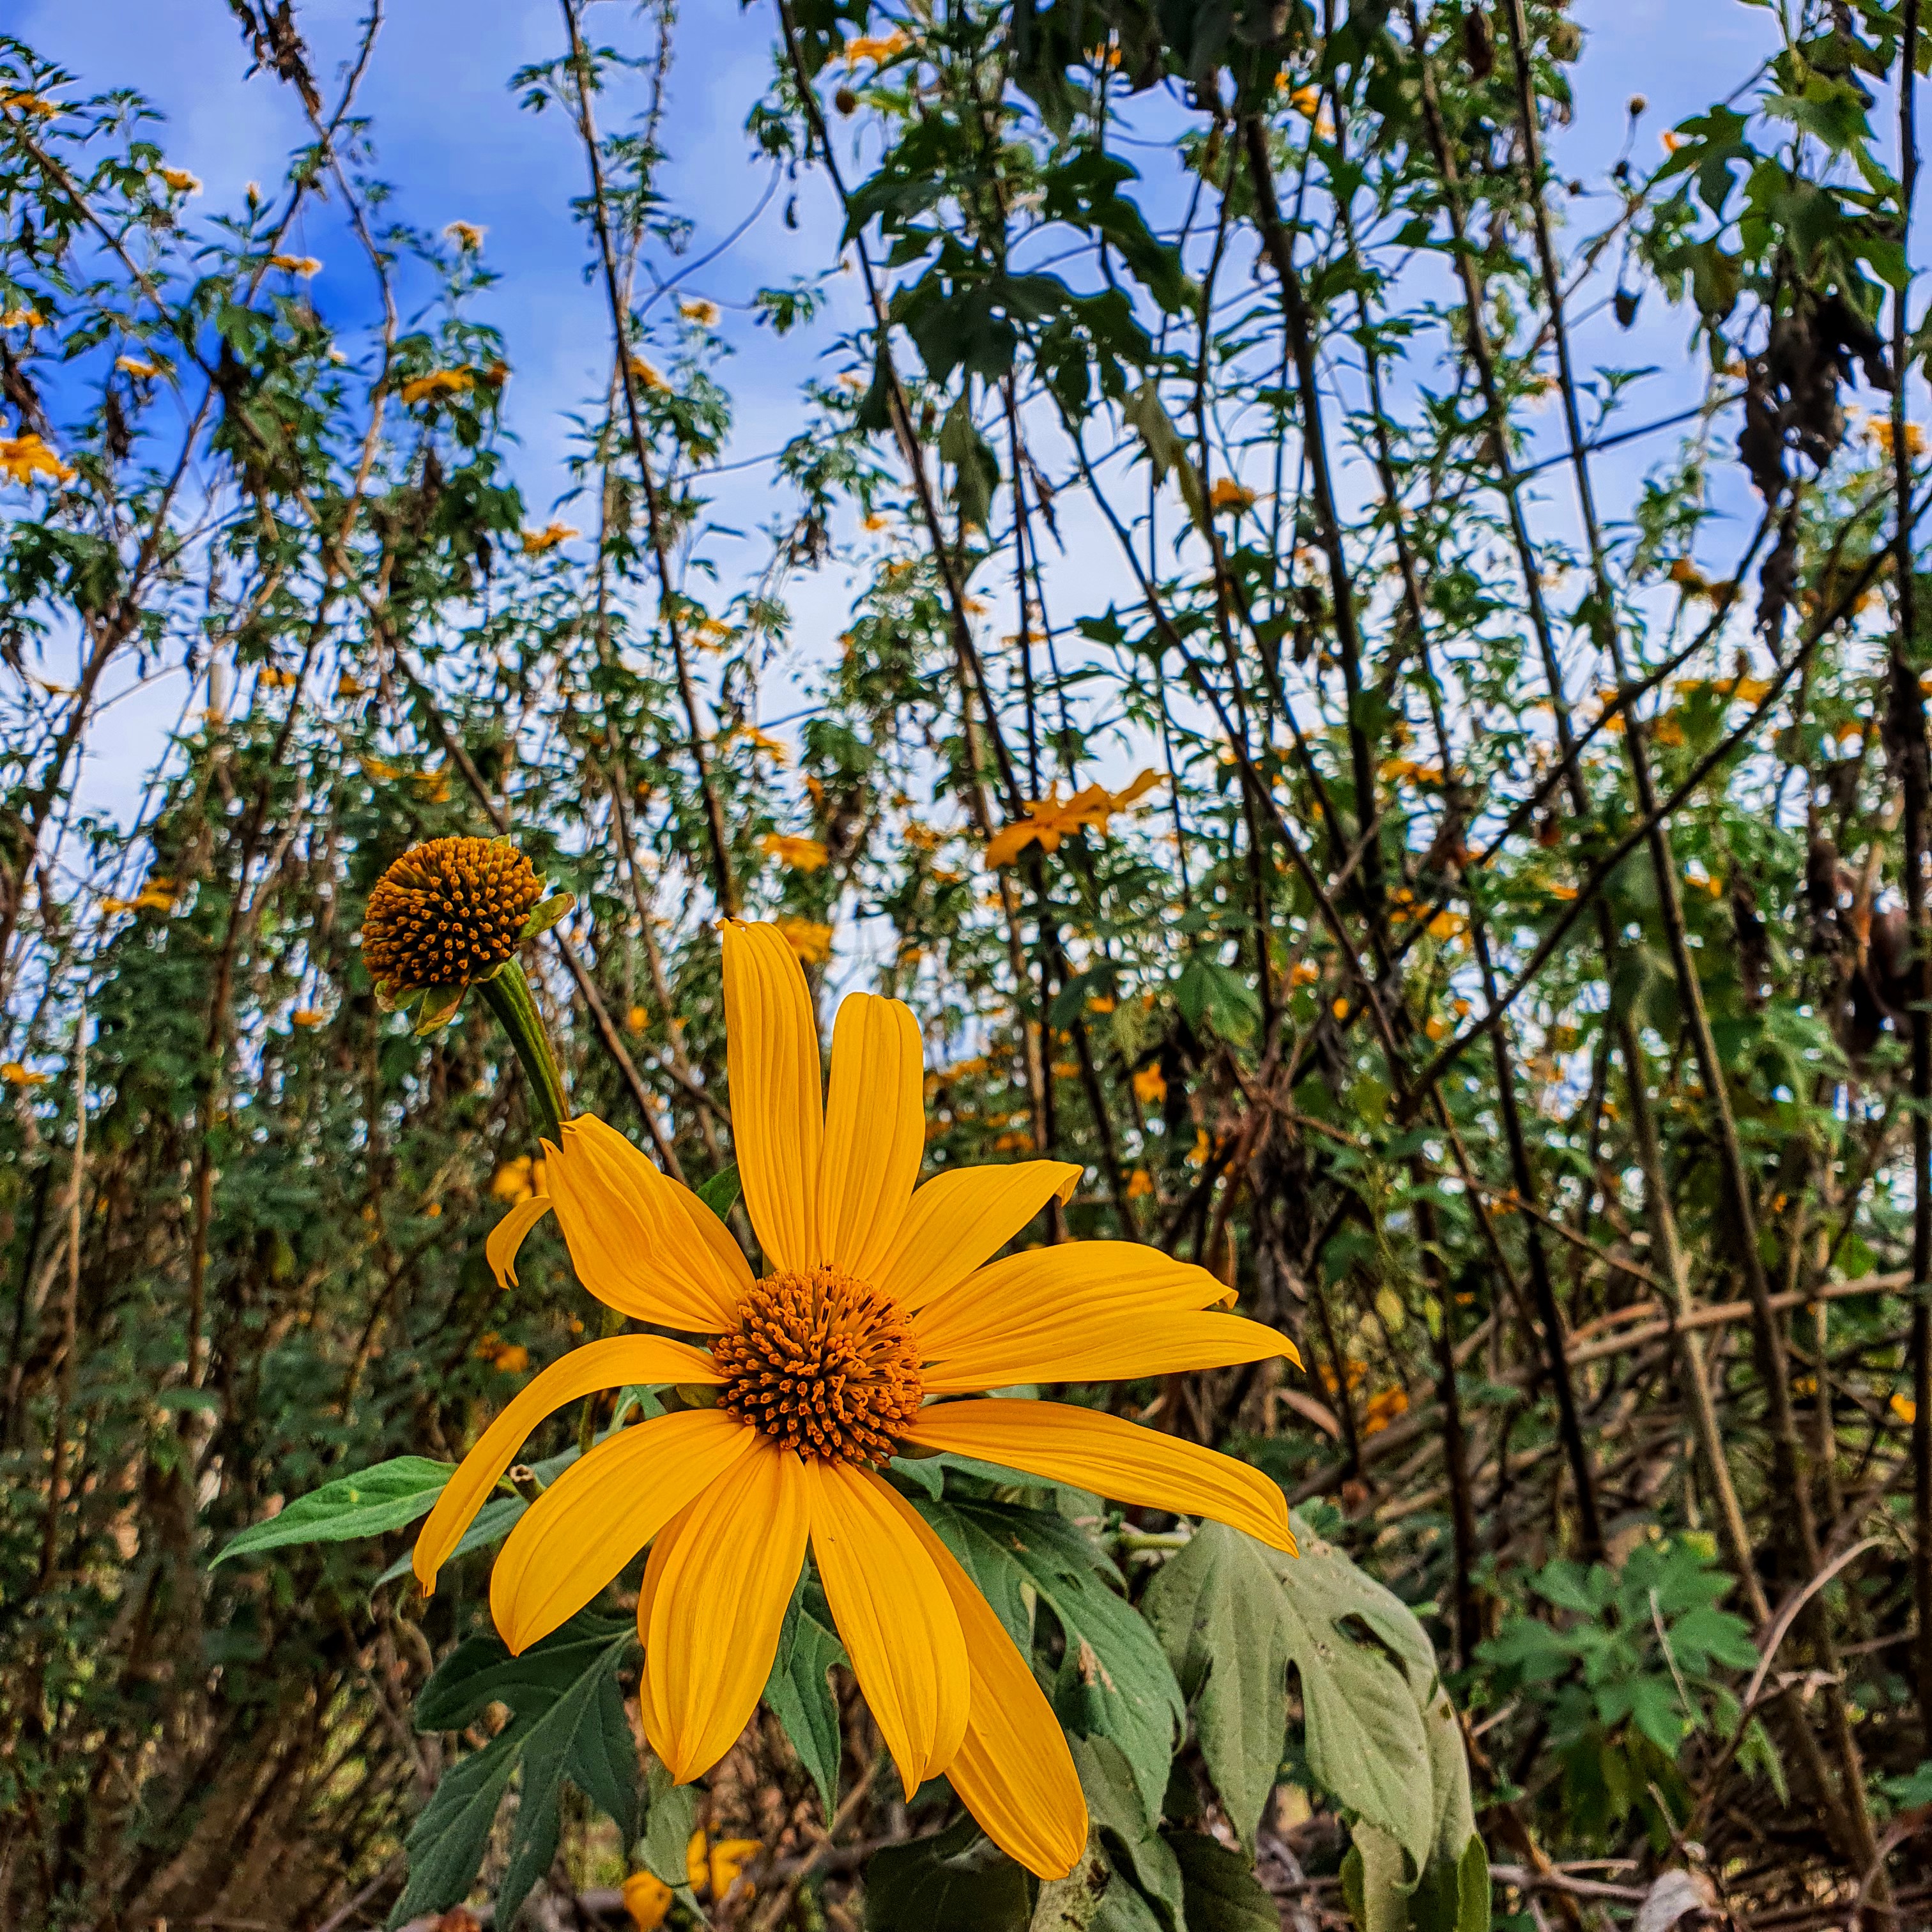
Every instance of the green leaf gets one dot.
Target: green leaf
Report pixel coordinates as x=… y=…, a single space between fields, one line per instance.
x=799 y=1694
x=384 y=1497
x=546 y=913
x=567 y=1722
x=438 y=1009
x=954 y=1881
x=1075 y=1903
x=667 y=1830
x=1367 y=1743
x=1209 y=992
x=720 y=1191
x=1221 y=1889
x=1134 y=1847
x=1114 y=1680
x=1375 y=1881
x=1215 y=1608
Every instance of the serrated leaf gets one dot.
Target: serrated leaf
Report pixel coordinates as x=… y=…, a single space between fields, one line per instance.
x=567 y=1722
x=383 y=1497
x=799 y=1694
x=1215 y=1608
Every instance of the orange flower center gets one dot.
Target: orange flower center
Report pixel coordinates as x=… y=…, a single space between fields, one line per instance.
x=825 y=1363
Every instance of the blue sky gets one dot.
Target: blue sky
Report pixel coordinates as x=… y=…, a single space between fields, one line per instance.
x=450 y=133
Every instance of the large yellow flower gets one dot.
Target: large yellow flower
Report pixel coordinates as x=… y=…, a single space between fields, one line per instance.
x=878 y=1305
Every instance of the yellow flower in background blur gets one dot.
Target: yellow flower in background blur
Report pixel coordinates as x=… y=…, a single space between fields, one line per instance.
x=874 y=47
x=763 y=742
x=1140 y=1184
x=1047 y=821
x=307 y=1016
x=881 y=1295
x=133 y=365
x=15 y=1075
x=1383 y=1408
x=296 y=264
x=519 y=1179
x=714 y=1867
x=704 y=313
x=511 y=1358
x=806 y=937
x=1227 y=494
x=24 y=458
x=1151 y=1086
x=647 y=1899
x=1878 y=430
x=1905 y=1409
x=646 y=374
x=180 y=180
x=468 y=236
x=536 y=542
x=22 y=318
x=439 y=382
x=799 y=855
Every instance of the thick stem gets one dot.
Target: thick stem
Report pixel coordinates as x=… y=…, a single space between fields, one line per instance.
x=508 y=996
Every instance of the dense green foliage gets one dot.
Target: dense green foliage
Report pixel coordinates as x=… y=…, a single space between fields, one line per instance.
x=1512 y=983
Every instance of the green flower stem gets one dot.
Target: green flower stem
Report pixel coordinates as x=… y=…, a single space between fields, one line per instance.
x=507 y=993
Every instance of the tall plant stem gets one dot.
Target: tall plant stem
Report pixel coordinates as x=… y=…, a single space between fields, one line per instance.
x=724 y=881
x=1791 y=1459
x=508 y=996
x=1909 y=742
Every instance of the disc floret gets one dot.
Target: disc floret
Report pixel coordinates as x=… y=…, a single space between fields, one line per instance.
x=827 y=1363
x=449 y=914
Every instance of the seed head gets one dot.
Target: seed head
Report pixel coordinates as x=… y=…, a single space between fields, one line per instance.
x=448 y=913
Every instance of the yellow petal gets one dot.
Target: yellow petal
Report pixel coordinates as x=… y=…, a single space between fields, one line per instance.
x=636 y=1236
x=894 y=1616
x=957 y=1219
x=718 y=1582
x=777 y=1114
x=1085 y=1311
x=1075 y=1347
x=600 y=1512
x=1115 y=1458
x=875 y=1132
x=1013 y=1771
x=507 y=1236
x=597 y=1365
